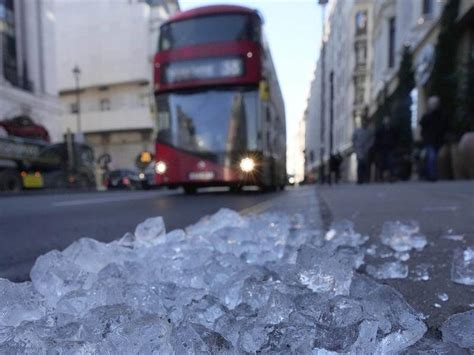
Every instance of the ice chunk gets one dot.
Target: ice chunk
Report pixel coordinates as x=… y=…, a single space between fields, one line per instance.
x=92 y=256
x=19 y=302
x=450 y=234
x=388 y=270
x=459 y=329
x=277 y=309
x=191 y=338
x=429 y=346
x=288 y=338
x=443 y=296
x=252 y=338
x=342 y=233
x=379 y=251
x=402 y=256
x=53 y=275
x=371 y=250
x=204 y=311
x=422 y=272
x=399 y=325
x=402 y=237
x=222 y=219
x=454 y=237
x=462 y=269
x=147 y=334
x=148 y=231
x=320 y=271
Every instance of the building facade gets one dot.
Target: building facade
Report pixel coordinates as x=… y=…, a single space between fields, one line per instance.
x=28 y=84
x=400 y=23
x=112 y=43
x=340 y=89
x=363 y=56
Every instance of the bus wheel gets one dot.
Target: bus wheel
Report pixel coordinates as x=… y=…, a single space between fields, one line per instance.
x=189 y=190
x=10 y=181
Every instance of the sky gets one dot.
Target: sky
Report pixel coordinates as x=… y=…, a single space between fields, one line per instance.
x=293 y=29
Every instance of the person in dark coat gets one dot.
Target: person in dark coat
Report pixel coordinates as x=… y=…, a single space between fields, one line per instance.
x=335 y=167
x=433 y=130
x=385 y=141
x=362 y=141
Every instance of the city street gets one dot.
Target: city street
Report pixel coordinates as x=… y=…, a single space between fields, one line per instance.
x=33 y=224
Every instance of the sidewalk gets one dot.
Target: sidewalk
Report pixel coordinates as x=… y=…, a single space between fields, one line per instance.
x=437 y=207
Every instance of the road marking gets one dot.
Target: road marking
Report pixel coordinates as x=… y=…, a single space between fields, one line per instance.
x=259 y=207
x=109 y=199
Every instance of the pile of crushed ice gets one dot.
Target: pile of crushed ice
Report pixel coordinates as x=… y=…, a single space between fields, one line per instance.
x=226 y=285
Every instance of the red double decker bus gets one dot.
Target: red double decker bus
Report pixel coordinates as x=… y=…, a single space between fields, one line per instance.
x=220 y=111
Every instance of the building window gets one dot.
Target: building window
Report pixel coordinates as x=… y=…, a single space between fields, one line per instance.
x=74 y=107
x=359 y=94
x=361 y=22
x=427 y=7
x=361 y=54
x=105 y=104
x=391 y=42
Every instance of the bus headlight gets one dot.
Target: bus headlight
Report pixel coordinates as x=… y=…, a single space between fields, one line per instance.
x=247 y=165
x=160 y=167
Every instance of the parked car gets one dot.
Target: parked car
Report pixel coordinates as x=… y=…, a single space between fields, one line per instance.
x=25 y=127
x=147 y=177
x=123 y=179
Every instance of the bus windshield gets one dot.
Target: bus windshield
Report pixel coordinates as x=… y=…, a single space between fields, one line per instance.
x=209 y=29
x=213 y=121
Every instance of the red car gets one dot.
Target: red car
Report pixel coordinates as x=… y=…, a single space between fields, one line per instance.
x=25 y=127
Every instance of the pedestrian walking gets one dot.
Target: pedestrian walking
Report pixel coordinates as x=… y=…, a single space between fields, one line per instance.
x=385 y=142
x=335 y=162
x=433 y=129
x=362 y=141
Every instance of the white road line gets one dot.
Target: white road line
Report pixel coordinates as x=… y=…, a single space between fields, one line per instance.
x=259 y=207
x=95 y=201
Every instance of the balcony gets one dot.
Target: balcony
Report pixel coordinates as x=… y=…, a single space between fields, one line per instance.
x=137 y=118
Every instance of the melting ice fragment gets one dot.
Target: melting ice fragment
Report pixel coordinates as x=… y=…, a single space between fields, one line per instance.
x=19 y=302
x=443 y=296
x=459 y=329
x=343 y=233
x=462 y=268
x=451 y=235
x=388 y=270
x=149 y=230
x=421 y=272
x=402 y=237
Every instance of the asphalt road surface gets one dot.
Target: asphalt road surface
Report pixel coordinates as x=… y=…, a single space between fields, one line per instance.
x=33 y=224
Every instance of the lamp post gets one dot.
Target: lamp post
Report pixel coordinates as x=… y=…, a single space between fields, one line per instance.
x=76 y=71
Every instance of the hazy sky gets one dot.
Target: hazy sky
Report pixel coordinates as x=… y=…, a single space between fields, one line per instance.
x=293 y=28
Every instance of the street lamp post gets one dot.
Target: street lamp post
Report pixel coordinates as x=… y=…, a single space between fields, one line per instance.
x=322 y=132
x=77 y=75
